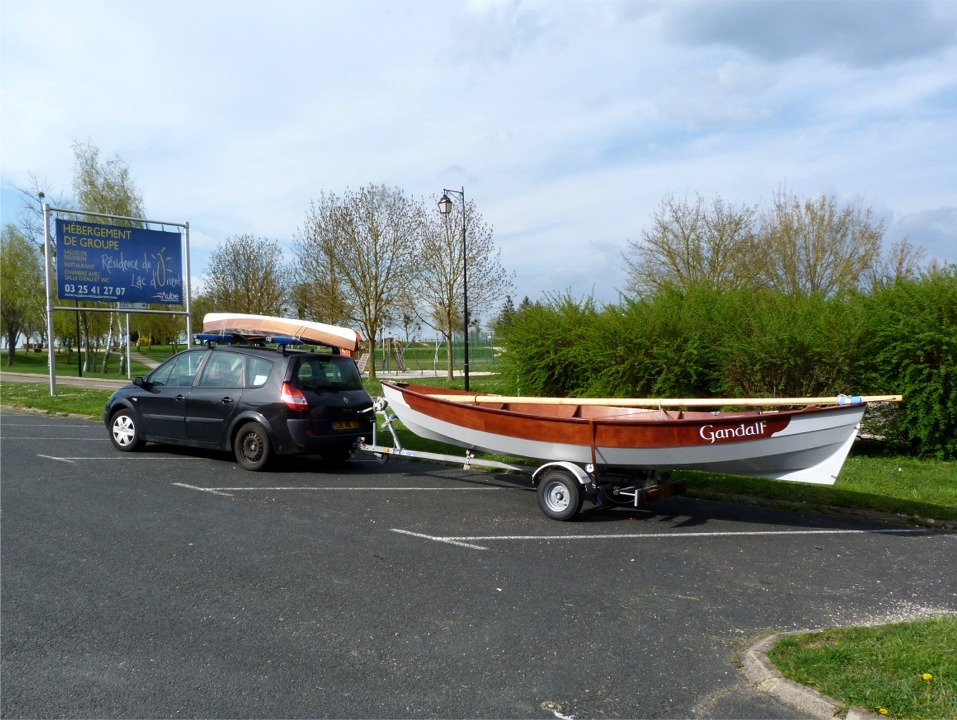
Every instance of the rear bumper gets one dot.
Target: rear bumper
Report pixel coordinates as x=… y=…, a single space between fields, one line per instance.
x=306 y=437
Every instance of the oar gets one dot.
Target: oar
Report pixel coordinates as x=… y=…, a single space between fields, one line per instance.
x=670 y=402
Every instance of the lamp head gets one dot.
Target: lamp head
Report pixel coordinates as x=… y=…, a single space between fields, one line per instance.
x=445 y=205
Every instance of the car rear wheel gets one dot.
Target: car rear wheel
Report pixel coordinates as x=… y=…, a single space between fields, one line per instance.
x=251 y=447
x=124 y=434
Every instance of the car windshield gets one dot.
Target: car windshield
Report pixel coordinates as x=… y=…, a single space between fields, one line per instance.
x=335 y=373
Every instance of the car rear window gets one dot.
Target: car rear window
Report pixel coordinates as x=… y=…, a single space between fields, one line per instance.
x=334 y=373
x=224 y=369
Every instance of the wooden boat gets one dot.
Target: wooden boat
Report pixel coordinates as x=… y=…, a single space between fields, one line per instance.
x=802 y=439
x=260 y=326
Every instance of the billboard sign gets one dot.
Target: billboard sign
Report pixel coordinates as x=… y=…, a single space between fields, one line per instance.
x=110 y=263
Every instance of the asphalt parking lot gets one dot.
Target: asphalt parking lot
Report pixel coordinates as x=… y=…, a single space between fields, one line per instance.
x=173 y=584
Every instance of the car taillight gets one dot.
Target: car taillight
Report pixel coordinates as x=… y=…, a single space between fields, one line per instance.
x=293 y=398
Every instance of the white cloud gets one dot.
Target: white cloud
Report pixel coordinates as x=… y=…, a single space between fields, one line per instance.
x=842 y=31
x=566 y=122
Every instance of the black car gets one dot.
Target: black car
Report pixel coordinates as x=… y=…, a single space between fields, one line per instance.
x=255 y=401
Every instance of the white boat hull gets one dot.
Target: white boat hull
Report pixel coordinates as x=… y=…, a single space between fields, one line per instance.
x=812 y=448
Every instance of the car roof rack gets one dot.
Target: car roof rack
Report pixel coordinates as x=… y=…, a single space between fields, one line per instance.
x=282 y=342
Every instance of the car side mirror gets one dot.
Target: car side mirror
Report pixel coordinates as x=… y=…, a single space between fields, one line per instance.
x=140 y=382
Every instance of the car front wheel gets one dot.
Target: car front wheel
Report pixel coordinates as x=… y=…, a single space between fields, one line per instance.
x=123 y=432
x=252 y=447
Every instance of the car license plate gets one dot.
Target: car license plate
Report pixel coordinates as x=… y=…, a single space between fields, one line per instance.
x=345 y=425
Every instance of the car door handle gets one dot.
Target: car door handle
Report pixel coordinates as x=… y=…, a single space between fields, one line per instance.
x=180 y=398
x=226 y=400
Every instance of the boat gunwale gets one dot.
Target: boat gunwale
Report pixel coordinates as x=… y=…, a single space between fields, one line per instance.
x=686 y=418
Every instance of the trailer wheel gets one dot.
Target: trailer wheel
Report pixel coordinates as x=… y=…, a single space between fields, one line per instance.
x=559 y=494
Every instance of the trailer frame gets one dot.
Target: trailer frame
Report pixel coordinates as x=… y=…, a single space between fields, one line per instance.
x=562 y=486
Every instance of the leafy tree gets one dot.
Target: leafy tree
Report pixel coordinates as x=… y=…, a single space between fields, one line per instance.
x=202 y=304
x=247 y=275
x=692 y=244
x=21 y=282
x=438 y=290
x=505 y=315
x=357 y=255
x=816 y=245
x=546 y=346
x=103 y=186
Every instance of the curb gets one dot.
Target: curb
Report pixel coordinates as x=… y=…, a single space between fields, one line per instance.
x=762 y=674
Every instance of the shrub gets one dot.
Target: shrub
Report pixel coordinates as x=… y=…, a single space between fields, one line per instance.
x=545 y=346
x=699 y=342
x=911 y=348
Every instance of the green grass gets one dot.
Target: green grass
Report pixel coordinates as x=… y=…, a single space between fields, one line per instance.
x=916 y=491
x=69 y=400
x=903 y=670
x=36 y=363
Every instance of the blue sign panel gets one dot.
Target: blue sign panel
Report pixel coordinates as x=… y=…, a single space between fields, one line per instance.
x=110 y=263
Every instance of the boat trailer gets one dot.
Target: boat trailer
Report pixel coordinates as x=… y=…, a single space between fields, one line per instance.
x=562 y=486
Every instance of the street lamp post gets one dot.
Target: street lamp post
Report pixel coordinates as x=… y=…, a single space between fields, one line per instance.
x=445 y=207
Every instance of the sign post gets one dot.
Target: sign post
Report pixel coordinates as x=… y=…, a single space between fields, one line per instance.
x=47 y=261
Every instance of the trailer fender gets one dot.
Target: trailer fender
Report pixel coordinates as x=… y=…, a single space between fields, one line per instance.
x=577 y=470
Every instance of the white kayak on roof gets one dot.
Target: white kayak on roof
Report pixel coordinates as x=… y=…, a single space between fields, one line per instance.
x=264 y=325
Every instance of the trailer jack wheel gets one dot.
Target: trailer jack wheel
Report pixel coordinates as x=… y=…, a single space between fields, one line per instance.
x=560 y=494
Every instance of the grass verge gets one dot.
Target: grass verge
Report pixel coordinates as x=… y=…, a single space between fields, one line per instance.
x=36 y=364
x=69 y=400
x=903 y=670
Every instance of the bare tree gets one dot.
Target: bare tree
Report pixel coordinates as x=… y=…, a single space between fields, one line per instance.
x=32 y=197
x=903 y=260
x=247 y=275
x=693 y=243
x=357 y=255
x=817 y=246
x=438 y=293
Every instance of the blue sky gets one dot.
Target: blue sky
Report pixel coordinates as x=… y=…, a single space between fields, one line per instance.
x=566 y=122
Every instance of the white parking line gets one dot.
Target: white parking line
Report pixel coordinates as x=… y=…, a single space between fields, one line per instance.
x=355 y=489
x=44 y=438
x=71 y=460
x=228 y=491
x=470 y=541
x=202 y=489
